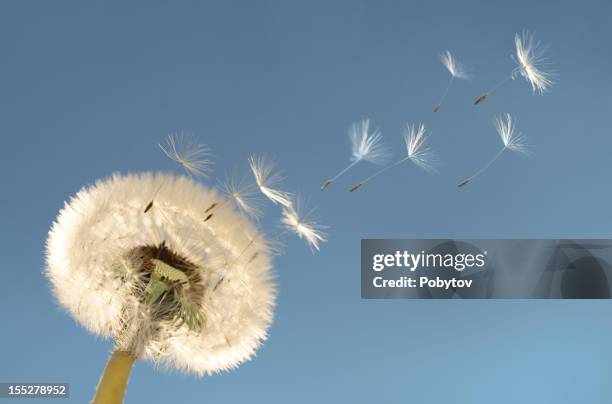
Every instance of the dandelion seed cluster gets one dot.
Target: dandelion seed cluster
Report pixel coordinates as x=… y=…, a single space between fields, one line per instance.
x=174 y=271
x=101 y=255
x=530 y=62
x=417 y=151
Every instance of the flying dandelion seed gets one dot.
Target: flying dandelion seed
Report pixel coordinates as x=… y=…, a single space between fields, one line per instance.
x=243 y=194
x=267 y=179
x=297 y=220
x=530 y=59
x=511 y=139
x=192 y=156
x=148 y=280
x=416 y=151
x=365 y=145
x=456 y=70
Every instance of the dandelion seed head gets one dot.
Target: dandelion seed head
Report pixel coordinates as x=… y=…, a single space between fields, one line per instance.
x=454 y=67
x=298 y=221
x=192 y=156
x=367 y=145
x=512 y=139
x=147 y=280
x=267 y=179
x=416 y=148
x=530 y=57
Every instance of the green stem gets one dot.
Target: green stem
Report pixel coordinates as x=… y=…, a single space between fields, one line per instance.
x=111 y=388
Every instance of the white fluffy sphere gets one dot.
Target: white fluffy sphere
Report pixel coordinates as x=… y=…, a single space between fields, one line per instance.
x=185 y=281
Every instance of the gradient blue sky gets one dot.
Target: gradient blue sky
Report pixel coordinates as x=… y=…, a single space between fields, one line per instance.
x=89 y=89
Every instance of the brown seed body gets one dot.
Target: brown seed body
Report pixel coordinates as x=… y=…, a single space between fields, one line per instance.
x=211 y=207
x=149 y=206
x=253 y=257
x=326 y=184
x=463 y=183
x=480 y=99
x=356 y=187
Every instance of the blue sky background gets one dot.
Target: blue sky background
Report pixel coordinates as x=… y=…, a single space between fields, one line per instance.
x=90 y=89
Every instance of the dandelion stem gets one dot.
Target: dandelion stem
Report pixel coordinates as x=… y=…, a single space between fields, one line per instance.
x=346 y=169
x=483 y=169
x=495 y=87
x=448 y=86
x=501 y=83
x=329 y=182
x=376 y=174
x=111 y=388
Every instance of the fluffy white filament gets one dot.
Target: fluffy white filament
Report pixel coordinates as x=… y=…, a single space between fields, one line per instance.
x=530 y=57
x=512 y=139
x=298 y=221
x=243 y=194
x=193 y=157
x=267 y=179
x=454 y=67
x=417 y=151
x=366 y=145
x=96 y=276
